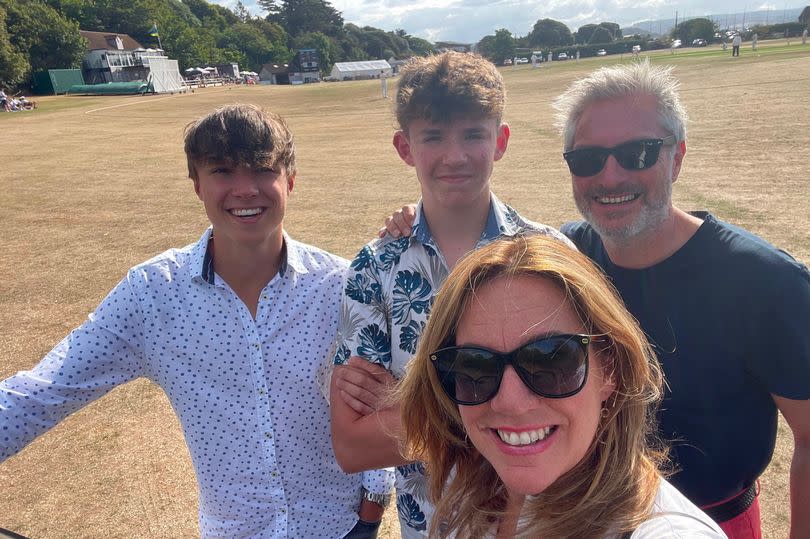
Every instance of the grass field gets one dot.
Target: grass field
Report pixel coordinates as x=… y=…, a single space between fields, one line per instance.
x=91 y=186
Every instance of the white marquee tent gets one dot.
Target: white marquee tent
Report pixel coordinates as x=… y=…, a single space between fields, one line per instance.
x=370 y=69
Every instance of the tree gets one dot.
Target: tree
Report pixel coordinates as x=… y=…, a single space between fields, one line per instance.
x=614 y=29
x=197 y=46
x=272 y=31
x=584 y=33
x=414 y=45
x=379 y=44
x=212 y=15
x=601 y=35
x=604 y=32
x=486 y=49
x=241 y=12
x=351 y=44
x=504 y=44
x=420 y=47
x=13 y=64
x=550 y=33
x=804 y=16
x=700 y=28
x=248 y=40
x=42 y=35
x=498 y=47
x=304 y=16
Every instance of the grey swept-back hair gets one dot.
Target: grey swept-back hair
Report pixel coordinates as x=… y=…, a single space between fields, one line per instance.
x=612 y=82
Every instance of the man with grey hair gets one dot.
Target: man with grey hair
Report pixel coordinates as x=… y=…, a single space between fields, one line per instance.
x=726 y=311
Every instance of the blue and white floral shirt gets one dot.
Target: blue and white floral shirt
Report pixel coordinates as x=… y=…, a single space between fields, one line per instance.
x=388 y=295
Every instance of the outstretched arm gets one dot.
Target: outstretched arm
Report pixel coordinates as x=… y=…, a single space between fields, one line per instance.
x=87 y=364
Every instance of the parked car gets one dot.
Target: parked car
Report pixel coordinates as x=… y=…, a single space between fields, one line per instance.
x=698 y=42
x=601 y=52
x=562 y=56
x=507 y=62
x=676 y=43
x=522 y=60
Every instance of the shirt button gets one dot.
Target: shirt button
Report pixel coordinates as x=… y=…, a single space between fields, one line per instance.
x=262 y=391
x=282 y=510
x=268 y=435
x=256 y=345
x=264 y=297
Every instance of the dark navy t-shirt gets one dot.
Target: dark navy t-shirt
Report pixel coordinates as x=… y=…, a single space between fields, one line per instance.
x=728 y=315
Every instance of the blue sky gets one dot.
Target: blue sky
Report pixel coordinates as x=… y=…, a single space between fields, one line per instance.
x=470 y=20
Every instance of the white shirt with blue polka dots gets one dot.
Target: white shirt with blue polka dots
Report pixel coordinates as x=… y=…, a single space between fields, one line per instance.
x=245 y=390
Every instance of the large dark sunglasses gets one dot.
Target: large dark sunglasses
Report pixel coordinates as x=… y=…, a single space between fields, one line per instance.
x=554 y=367
x=632 y=155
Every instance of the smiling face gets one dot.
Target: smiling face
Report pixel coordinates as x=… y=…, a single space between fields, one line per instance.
x=530 y=441
x=245 y=205
x=454 y=159
x=620 y=203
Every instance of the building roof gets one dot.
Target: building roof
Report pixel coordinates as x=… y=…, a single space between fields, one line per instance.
x=275 y=69
x=107 y=41
x=348 y=67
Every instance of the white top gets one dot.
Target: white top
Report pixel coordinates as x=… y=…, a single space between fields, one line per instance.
x=675 y=517
x=245 y=391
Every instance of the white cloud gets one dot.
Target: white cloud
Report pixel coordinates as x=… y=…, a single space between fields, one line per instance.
x=470 y=20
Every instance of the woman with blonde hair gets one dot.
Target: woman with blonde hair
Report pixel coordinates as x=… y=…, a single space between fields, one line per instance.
x=531 y=400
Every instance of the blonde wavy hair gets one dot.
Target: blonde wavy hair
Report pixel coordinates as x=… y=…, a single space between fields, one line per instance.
x=611 y=490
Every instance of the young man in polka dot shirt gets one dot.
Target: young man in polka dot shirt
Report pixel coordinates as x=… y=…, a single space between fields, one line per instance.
x=233 y=328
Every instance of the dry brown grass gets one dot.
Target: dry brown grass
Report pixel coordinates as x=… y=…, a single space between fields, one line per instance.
x=86 y=194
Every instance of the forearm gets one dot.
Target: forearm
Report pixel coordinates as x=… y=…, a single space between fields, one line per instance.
x=364 y=442
x=800 y=491
x=369 y=442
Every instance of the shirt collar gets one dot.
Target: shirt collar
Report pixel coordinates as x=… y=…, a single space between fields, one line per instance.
x=203 y=261
x=502 y=220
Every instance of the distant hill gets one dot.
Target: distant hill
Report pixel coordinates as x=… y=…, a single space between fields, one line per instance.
x=726 y=21
x=638 y=30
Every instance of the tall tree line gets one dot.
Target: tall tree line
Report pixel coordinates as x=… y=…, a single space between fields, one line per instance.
x=44 y=34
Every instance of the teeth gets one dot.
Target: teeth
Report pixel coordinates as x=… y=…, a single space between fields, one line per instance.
x=526 y=437
x=616 y=200
x=246 y=212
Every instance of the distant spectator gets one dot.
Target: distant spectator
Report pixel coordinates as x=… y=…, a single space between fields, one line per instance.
x=4 y=101
x=26 y=104
x=384 y=84
x=735 y=45
x=754 y=41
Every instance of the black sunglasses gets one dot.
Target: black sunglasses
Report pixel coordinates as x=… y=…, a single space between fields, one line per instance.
x=631 y=155
x=554 y=367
